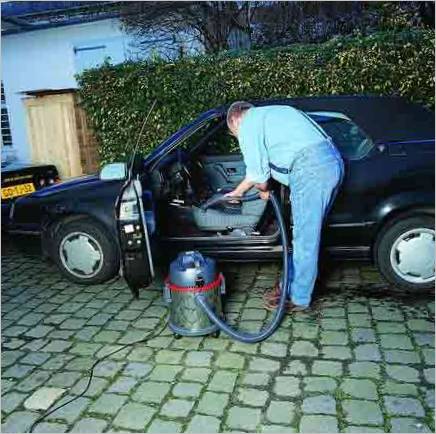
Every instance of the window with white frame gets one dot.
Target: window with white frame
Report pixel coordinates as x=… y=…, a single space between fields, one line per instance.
x=6 y=129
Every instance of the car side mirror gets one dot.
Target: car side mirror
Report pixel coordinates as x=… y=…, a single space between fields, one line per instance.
x=113 y=172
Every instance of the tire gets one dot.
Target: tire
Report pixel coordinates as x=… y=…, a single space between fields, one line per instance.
x=85 y=252
x=405 y=253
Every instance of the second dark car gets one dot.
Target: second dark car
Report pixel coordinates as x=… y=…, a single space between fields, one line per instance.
x=19 y=180
x=384 y=211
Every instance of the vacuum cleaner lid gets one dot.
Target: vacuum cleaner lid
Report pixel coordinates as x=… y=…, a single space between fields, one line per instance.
x=189 y=267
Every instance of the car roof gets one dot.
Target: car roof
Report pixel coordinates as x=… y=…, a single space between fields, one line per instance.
x=383 y=118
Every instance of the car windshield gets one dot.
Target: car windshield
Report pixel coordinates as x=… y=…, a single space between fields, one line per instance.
x=351 y=141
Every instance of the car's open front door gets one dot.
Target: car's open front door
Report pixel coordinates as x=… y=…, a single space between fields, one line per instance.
x=136 y=257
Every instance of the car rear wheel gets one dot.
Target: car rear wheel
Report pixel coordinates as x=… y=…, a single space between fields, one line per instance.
x=405 y=253
x=85 y=253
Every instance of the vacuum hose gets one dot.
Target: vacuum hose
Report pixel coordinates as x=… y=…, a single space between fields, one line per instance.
x=278 y=315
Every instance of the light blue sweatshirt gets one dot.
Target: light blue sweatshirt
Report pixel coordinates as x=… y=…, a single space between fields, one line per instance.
x=274 y=134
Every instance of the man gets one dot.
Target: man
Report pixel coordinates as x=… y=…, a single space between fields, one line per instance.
x=284 y=143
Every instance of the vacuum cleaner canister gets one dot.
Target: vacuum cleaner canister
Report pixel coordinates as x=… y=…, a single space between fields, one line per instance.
x=192 y=273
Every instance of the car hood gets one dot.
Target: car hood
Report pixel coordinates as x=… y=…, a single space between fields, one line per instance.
x=73 y=183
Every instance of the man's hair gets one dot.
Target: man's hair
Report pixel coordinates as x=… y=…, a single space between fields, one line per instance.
x=237 y=108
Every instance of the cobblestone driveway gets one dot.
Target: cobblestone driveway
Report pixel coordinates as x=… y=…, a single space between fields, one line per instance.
x=361 y=361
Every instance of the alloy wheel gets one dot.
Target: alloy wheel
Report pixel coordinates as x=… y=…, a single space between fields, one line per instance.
x=81 y=254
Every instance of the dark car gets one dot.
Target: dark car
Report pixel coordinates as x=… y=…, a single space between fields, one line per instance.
x=22 y=179
x=384 y=211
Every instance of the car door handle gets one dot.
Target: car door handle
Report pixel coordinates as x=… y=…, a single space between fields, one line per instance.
x=231 y=171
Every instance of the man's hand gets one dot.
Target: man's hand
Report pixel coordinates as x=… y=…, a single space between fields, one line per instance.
x=262 y=187
x=233 y=193
x=264 y=195
x=241 y=189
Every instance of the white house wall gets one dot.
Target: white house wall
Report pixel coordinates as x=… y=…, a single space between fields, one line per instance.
x=46 y=59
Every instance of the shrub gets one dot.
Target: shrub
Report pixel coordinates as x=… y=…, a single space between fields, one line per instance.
x=117 y=98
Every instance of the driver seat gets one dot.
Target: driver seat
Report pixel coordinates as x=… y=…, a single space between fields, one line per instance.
x=243 y=217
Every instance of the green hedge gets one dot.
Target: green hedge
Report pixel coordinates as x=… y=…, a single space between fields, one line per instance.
x=117 y=98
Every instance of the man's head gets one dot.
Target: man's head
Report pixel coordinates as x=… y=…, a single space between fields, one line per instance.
x=235 y=113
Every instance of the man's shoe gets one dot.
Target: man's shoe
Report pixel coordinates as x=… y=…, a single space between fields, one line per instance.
x=291 y=308
x=272 y=303
x=272 y=294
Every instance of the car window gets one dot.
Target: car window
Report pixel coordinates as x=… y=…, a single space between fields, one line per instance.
x=351 y=141
x=212 y=138
x=221 y=143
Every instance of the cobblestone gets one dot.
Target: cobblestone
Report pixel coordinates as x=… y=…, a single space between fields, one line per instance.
x=334 y=338
x=367 y=352
x=108 y=403
x=213 y=403
x=403 y=373
x=408 y=425
x=287 y=386
x=363 y=335
x=403 y=357
x=304 y=349
x=360 y=412
x=252 y=397
x=243 y=418
x=176 y=408
x=187 y=390
x=199 y=358
x=203 y=424
x=89 y=425
x=11 y=401
x=164 y=426
x=19 y=421
x=296 y=367
x=394 y=388
x=360 y=362
x=43 y=398
x=230 y=360
x=327 y=368
x=319 y=384
x=336 y=352
x=71 y=411
x=404 y=406
x=318 y=424
x=196 y=374
x=134 y=416
x=264 y=365
x=364 y=389
x=140 y=370
x=365 y=369
x=323 y=404
x=52 y=427
x=281 y=412
x=396 y=341
x=96 y=387
x=34 y=380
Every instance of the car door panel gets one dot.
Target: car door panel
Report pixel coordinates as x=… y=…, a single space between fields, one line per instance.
x=133 y=228
x=223 y=171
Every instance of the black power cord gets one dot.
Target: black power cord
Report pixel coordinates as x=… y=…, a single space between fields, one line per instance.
x=91 y=373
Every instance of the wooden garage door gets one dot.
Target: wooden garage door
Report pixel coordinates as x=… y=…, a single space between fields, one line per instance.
x=58 y=134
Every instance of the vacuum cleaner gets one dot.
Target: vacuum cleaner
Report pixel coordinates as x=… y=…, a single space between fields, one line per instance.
x=194 y=288
x=192 y=273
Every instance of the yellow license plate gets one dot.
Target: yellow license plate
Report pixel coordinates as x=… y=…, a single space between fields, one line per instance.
x=17 y=190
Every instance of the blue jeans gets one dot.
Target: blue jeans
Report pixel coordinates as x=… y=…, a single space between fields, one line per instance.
x=314 y=180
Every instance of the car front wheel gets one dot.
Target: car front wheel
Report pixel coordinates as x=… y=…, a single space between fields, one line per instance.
x=85 y=252
x=405 y=253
